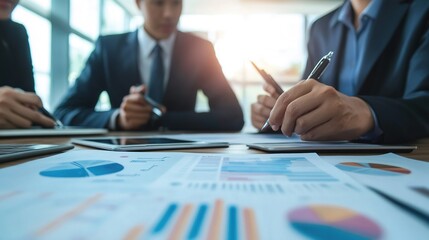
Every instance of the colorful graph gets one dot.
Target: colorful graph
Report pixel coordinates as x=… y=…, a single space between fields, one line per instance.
x=330 y=222
x=77 y=169
x=373 y=169
x=206 y=221
x=290 y=168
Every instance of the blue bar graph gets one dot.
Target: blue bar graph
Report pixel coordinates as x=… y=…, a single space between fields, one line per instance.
x=232 y=233
x=291 y=168
x=159 y=227
x=198 y=222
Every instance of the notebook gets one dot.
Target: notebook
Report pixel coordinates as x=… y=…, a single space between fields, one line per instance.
x=10 y=152
x=58 y=131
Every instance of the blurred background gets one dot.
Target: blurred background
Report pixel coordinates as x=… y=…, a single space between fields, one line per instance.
x=272 y=33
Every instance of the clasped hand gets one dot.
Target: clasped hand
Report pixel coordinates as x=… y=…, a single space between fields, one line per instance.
x=135 y=111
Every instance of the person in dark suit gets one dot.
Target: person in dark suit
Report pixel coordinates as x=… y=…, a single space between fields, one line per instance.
x=18 y=103
x=376 y=88
x=158 y=62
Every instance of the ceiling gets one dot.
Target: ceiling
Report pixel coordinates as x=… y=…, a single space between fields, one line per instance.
x=247 y=6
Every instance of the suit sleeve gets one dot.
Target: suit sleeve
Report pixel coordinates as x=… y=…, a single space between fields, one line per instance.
x=78 y=106
x=225 y=111
x=407 y=118
x=27 y=71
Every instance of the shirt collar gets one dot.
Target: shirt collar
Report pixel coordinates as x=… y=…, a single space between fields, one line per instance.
x=147 y=43
x=345 y=15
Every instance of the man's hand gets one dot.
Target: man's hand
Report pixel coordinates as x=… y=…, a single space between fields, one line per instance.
x=135 y=111
x=319 y=112
x=260 y=111
x=19 y=109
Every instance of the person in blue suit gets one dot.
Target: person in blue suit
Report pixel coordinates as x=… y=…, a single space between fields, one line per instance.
x=159 y=62
x=376 y=88
x=18 y=102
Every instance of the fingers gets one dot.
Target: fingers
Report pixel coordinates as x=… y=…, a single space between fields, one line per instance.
x=259 y=114
x=29 y=99
x=319 y=112
x=44 y=121
x=260 y=111
x=19 y=109
x=295 y=119
x=282 y=104
x=267 y=101
x=23 y=117
x=134 y=120
x=270 y=89
x=4 y=124
x=318 y=116
x=134 y=112
x=137 y=89
x=350 y=118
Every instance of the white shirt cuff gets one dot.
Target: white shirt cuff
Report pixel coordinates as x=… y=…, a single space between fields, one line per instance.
x=112 y=121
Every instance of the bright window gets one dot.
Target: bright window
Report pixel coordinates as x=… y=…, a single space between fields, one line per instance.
x=79 y=52
x=275 y=42
x=43 y=4
x=85 y=17
x=115 y=19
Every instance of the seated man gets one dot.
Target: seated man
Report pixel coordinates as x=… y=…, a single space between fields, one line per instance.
x=377 y=86
x=18 y=109
x=159 y=62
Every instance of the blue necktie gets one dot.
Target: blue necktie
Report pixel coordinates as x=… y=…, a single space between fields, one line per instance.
x=156 y=81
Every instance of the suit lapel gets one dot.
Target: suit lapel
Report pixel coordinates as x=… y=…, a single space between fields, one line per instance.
x=130 y=61
x=175 y=70
x=380 y=35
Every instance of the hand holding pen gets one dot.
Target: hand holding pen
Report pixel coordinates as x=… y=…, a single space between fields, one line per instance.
x=20 y=109
x=315 y=74
x=137 y=109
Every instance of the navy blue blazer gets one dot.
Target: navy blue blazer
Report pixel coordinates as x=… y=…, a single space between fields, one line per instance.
x=395 y=79
x=113 y=67
x=16 y=68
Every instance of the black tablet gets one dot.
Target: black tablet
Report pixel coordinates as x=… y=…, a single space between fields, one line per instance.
x=144 y=143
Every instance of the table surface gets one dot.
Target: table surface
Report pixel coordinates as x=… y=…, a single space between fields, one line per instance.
x=421 y=153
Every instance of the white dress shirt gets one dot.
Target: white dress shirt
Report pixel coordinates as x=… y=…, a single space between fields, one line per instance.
x=145 y=58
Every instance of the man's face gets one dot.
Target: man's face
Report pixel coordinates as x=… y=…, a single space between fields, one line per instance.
x=6 y=8
x=160 y=16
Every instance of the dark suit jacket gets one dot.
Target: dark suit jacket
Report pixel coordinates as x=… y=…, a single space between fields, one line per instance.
x=395 y=79
x=16 y=69
x=113 y=67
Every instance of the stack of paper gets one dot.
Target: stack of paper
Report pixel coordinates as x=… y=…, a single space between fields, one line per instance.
x=114 y=195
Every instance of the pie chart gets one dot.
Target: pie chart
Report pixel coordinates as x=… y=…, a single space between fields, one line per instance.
x=334 y=223
x=79 y=169
x=373 y=169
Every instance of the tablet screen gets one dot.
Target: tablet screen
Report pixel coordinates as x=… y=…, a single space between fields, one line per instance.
x=137 y=141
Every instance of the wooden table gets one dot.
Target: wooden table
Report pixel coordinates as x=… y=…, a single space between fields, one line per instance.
x=422 y=152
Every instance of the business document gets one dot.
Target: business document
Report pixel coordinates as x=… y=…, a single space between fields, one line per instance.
x=150 y=195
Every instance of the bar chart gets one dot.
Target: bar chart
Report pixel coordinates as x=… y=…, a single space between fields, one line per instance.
x=206 y=221
x=294 y=169
x=252 y=169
